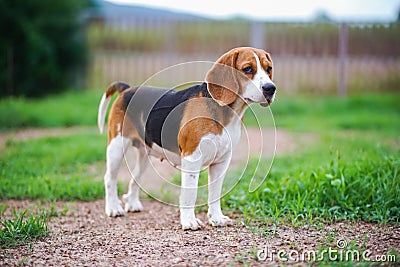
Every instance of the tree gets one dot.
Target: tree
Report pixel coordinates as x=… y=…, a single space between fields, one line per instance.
x=41 y=44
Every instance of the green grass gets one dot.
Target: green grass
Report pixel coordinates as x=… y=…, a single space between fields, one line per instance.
x=372 y=112
x=68 y=109
x=24 y=226
x=53 y=168
x=350 y=170
x=367 y=112
x=22 y=229
x=298 y=190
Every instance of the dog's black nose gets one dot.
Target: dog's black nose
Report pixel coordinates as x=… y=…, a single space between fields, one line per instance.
x=269 y=89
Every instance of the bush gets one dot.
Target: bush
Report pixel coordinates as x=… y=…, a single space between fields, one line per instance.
x=42 y=45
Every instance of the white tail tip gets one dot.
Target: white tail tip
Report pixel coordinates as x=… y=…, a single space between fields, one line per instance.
x=101 y=116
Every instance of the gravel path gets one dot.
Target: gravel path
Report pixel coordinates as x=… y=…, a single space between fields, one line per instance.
x=84 y=236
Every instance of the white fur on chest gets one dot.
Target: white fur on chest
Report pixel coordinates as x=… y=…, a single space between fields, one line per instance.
x=217 y=148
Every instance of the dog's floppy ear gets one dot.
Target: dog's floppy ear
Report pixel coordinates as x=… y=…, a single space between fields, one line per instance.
x=272 y=64
x=222 y=81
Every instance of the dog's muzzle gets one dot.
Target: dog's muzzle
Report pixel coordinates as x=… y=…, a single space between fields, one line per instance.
x=268 y=90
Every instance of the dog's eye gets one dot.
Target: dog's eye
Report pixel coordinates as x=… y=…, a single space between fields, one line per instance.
x=269 y=69
x=248 y=70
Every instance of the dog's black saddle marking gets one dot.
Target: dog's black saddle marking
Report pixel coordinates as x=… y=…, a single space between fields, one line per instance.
x=157 y=112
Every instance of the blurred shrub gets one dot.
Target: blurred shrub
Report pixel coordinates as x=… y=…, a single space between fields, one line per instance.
x=42 y=45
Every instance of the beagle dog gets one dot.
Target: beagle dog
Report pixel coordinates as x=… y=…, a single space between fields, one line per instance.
x=194 y=128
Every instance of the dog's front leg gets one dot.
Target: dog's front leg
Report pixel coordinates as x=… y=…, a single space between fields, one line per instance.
x=216 y=177
x=187 y=201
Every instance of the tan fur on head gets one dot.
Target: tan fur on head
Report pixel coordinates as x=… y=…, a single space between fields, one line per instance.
x=270 y=63
x=222 y=82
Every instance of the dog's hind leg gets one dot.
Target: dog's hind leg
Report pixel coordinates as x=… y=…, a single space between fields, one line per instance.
x=132 y=202
x=115 y=153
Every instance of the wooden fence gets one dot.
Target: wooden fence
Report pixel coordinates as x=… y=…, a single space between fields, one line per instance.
x=320 y=58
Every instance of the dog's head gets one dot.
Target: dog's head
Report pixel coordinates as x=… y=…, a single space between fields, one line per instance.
x=243 y=72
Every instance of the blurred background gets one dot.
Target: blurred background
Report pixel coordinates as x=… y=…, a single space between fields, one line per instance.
x=329 y=48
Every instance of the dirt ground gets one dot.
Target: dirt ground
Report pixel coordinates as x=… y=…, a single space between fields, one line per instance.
x=85 y=236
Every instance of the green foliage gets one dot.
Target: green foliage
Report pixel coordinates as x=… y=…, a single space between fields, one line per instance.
x=42 y=45
x=20 y=230
x=53 y=168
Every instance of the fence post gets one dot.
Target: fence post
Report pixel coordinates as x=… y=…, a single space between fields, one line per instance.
x=257 y=36
x=342 y=59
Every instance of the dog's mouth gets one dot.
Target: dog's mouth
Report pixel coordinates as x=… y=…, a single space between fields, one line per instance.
x=266 y=104
x=269 y=100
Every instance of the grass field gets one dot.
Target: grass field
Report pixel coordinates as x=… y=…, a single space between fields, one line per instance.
x=350 y=171
x=347 y=181
x=67 y=109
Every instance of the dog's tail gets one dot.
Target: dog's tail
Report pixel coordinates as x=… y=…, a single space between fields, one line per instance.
x=105 y=101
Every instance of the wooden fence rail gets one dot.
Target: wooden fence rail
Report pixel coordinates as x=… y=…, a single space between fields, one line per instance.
x=320 y=58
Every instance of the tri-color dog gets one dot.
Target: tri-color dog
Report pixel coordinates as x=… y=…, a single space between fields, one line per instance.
x=193 y=128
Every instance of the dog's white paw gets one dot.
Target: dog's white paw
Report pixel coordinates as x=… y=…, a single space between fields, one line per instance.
x=132 y=205
x=191 y=224
x=114 y=208
x=220 y=220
